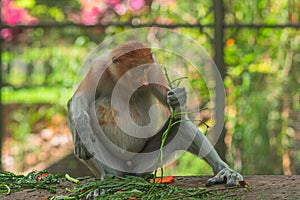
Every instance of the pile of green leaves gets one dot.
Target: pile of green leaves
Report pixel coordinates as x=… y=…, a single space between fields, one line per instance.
x=136 y=187
x=130 y=187
x=10 y=182
x=114 y=187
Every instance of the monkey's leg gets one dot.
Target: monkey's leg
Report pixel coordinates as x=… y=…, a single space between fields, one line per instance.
x=200 y=146
x=186 y=136
x=203 y=148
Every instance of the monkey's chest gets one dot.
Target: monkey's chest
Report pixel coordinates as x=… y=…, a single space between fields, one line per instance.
x=120 y=130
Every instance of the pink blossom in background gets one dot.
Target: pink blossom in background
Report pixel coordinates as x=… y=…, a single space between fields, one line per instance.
x=113 y=2
x=120 y=9
x=91 y=10
x=136 y=4
x=12 y=14
x=9 y=13
x=6 y=34
x=118 y=6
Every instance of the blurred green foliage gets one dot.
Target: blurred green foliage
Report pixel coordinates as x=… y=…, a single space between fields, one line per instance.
x=40 y=65
x=262 y=85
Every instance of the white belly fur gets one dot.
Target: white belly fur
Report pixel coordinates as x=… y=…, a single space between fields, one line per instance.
x=125 y=142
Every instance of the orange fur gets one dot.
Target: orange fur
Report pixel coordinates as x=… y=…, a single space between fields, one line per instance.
x=129 y=55
x=106 y=116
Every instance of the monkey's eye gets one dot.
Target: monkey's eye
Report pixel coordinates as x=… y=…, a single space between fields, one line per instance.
x=114 y=59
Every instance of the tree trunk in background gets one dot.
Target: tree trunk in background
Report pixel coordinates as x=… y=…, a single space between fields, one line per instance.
x=219 y=60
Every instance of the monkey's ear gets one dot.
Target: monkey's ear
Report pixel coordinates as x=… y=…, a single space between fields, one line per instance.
x=114 y=59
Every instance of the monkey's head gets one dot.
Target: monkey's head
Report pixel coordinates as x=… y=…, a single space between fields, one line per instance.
x=129 y=55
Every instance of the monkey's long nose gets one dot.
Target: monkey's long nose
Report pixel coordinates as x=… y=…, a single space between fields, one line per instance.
x=145 y=78
x=140 y=75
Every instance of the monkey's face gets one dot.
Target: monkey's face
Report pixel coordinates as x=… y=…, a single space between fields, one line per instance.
x=132 y=74
x=131 y=59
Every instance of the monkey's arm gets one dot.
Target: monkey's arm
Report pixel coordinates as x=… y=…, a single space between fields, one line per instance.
x=80 y=113
x=83 y=122
x=83 y=134
x=75 y=124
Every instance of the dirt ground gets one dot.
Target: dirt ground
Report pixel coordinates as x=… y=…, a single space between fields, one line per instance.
x=263 y=187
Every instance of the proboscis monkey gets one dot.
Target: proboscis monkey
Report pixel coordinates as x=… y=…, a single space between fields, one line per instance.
x=106 y=140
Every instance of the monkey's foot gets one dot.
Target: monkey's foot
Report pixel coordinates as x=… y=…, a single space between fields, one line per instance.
x=231 y=177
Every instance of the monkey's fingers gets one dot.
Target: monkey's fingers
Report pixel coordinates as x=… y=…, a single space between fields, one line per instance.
x=81 y=151
x=231 y=177
x=177 y=97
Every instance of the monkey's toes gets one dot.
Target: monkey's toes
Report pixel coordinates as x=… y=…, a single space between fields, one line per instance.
x=231 y=177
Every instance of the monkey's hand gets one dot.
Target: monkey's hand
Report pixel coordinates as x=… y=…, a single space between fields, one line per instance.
x=231 y=177
x=177 y=98
x=79 y=149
